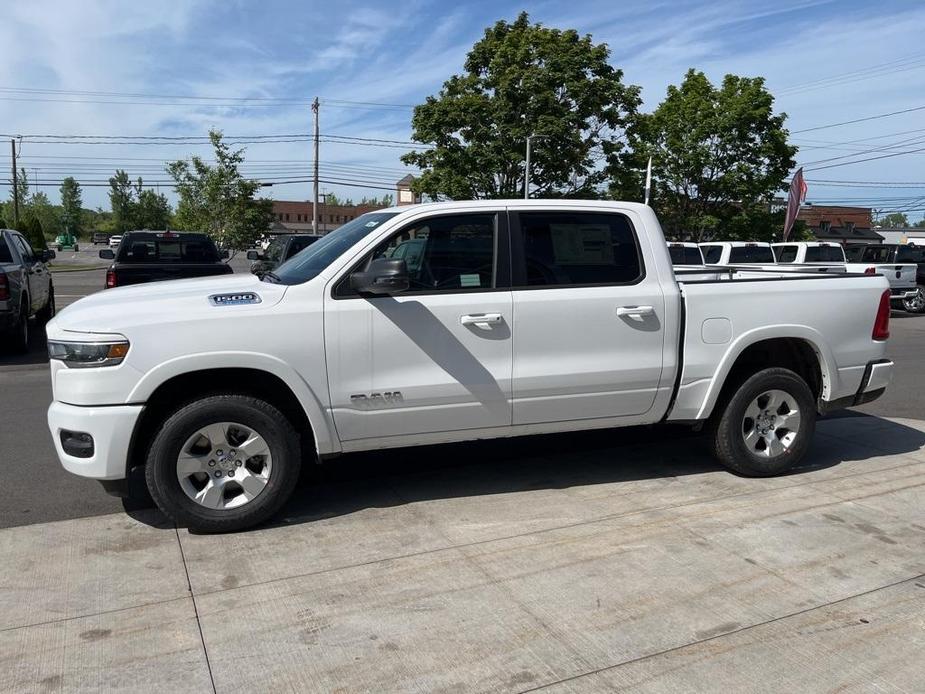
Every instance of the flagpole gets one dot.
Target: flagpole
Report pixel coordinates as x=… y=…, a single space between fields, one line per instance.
x=648 y=181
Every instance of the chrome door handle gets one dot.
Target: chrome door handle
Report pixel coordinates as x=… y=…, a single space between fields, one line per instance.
x=635 y=311
x=480 y=318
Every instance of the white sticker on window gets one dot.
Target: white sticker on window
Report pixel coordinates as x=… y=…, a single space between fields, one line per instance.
x=370 y=225
x=470 y=281
x=581 y=244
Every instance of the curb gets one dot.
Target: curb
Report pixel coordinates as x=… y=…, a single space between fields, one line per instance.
x=76 y=269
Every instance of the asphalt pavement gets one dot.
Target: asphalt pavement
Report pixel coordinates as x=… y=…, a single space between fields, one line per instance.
x=38 y=490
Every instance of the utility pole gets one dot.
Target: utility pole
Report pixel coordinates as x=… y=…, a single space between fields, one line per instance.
x=15 y=187
x=315 y=177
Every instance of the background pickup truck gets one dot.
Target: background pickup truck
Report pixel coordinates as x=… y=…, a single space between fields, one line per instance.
x=516 y=317
x=280 y=249
x=26 y=289
x=148 y=256
x=902 y=265
x=890 y=257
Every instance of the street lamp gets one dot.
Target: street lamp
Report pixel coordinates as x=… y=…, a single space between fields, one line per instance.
x=527 y=168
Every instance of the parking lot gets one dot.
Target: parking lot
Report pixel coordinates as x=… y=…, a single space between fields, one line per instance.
x=580 y=562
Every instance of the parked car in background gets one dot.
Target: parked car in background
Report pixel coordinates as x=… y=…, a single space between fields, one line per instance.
x=115 y=240
x=904 y=266
x=100 y=237
x=685 y=254
x=154 y=256
x=737 y=253
x=279 y=250
x=854 y=251
x=522 y=317
x=26 y=289
x=799 y=252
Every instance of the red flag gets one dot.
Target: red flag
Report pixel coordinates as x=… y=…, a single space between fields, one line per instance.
x=794 y=199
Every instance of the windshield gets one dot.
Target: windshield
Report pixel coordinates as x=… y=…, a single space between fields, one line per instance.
x=163 y=248
x=310 y=262
x=751 y=254
x=685 y=255
x=825 y=254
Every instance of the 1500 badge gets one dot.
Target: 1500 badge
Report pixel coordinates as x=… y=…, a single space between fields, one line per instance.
x=375 y=401
x=234 y=299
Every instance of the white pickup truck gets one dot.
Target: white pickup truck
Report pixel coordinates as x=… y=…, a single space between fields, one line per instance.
x=508 y=318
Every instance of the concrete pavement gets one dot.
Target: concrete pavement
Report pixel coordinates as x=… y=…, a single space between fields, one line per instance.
x=625 y=565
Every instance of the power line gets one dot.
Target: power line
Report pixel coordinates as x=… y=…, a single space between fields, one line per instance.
x=858 y=120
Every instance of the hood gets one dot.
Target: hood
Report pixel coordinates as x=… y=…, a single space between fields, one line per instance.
x=173 y=301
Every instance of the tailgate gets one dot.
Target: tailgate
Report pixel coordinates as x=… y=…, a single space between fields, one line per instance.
x=152 y=272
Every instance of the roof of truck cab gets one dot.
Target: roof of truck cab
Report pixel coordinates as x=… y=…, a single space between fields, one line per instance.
x=516 y=202
x=736 y=244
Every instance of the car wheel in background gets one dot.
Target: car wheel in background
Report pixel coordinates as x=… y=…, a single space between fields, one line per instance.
x=223 y=463
x=766 y=426
x=916 y=304
x=48 y=312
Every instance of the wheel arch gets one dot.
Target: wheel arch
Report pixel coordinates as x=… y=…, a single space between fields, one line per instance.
x=177 y=385
x=798 y=348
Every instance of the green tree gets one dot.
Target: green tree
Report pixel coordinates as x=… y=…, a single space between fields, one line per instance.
x=333 y=200
x=40 y=207
x=71 y=213
x=152 y=211
x=31 y=228
x=122 y=201
x=523 y=79
x=894 y=220
x=718 y=157
x=920 y=224
x=22 y=196
x=385 y=201
x=218 y=200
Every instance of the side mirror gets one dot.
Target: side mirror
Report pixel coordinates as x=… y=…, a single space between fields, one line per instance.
x=384 y=276
x=224 y=255
x=251 y=255
x=107 y=254
x=45 y=256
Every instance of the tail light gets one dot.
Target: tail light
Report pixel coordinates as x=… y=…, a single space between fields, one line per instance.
x=110 y=279
x=870 y=271
x=4 y=287
x=882 y=321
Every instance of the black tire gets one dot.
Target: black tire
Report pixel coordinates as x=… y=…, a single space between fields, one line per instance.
x=268 y=421
x=76 y=248
x=728 y=422
x=48 y=311
x=19 y=334
x=916 y=304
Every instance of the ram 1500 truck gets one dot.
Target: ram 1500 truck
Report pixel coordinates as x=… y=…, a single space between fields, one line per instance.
x=516 y=317
x=26 y=289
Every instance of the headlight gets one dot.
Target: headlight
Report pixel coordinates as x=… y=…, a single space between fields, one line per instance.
x=82 y=355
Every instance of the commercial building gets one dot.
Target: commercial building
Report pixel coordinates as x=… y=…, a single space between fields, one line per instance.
x=840 y=224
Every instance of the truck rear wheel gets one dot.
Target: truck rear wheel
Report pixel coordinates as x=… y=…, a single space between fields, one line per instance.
x=223 y=463
x=916 y=303
x=765 y=428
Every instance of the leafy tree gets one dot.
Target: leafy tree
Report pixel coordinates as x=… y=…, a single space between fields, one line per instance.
x=384 y=201
x=523 y=79
x=920 y=224
x=152 y=211
x=31 y=228
x=22 y=196
x=71 y=214
x=40 y=207
x=894 y=220
x=333 y=200
x=122 y=200
x=718 y=156
x=218 y=200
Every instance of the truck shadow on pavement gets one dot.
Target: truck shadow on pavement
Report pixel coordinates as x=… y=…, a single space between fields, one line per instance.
x=37 y=353
x=661 y=453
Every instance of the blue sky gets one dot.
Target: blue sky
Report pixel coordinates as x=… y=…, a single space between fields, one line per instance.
x=398 y=53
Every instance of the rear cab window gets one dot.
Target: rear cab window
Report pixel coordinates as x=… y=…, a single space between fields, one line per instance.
x=568 y=249
x=712 y=254
x=825 y=254
x=786 y=254
x=164 y=248
x=684 y=255
x=750 y=254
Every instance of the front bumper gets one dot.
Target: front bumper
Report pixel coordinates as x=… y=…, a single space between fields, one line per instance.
x=111 y=428
x=877 y=376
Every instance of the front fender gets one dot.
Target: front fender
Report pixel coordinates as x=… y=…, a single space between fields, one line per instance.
x=322 y=426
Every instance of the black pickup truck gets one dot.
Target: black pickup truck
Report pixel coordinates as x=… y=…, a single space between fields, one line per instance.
x=901 y=253
x=153 y=256
x=26 y=289
x=281 y=249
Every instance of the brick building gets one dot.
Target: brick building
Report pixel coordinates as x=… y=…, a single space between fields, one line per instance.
x=840 y=224
x=295 y=216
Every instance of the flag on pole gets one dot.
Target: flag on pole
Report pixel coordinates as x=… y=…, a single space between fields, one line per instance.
x=794 y=199
x=648 y=180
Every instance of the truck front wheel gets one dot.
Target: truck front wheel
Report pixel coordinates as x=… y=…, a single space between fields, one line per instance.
x=223 y=463
x=765 y=428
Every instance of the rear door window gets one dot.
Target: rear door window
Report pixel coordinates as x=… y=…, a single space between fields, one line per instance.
x=25 y=250
x=577 y=249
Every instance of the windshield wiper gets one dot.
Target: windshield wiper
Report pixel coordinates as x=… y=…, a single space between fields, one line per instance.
x=273 y=277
